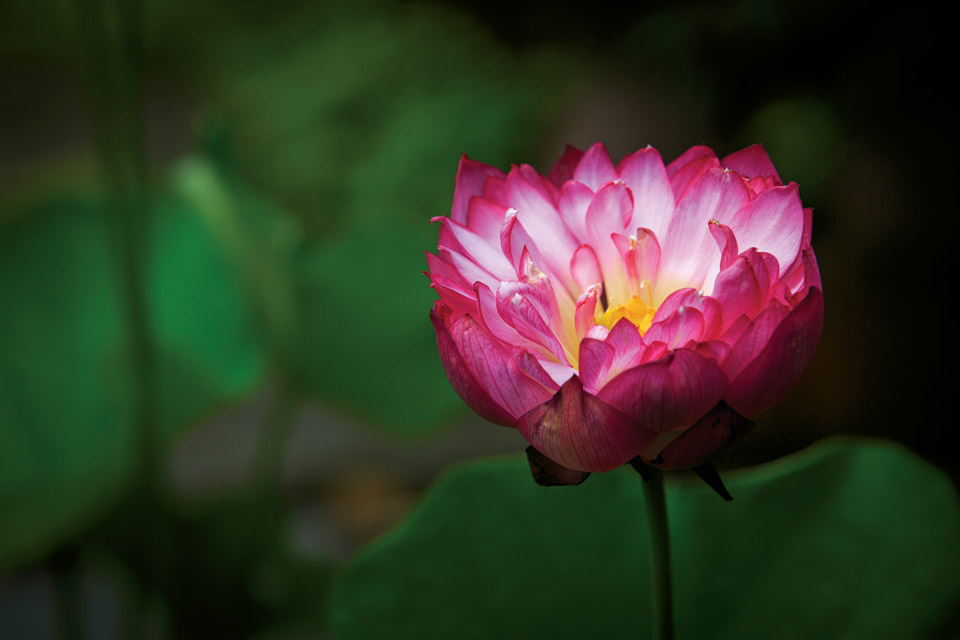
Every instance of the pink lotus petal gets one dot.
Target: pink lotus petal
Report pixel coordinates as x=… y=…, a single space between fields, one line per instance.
x=585 y=268
x=485 y=218
x=686 y=171
x=458 y=299
x=495 y=190
x=718 y=430
x=787 y=354
x=743 y=287
x=586 y=310
x=467 y=268
x=726 y=242
x=610 y=210
x=471 y=177
x=689 y=252
x=647 y=255
x=541 y=220
x=677 y=329
x=654 y=200
x=773 y=223
x=692 y=299
x=596 y=358
x=467 y=386
x=581 y=432
x=523 y=308
x=477 y=249
x=566 y=165
x=595 y=168
x=491 y=367
x=752 y=162
x=754 y=338
x=573 y=202
x=670 y=393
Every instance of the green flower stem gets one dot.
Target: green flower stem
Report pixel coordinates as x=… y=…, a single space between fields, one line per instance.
x=660 y=547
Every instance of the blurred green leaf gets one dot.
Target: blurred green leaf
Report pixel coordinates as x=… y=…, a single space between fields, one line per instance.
x=360 y=119
x=844 y=540
x=65 y=430
x=209 y=346
x=65 y=422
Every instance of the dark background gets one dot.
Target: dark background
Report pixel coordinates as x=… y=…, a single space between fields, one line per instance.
x=266 y=171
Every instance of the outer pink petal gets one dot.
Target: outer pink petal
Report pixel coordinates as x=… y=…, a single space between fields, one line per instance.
x=653 y=196
x=752 y=162
x=595 y=168
x=777 y=369
x=686 y=171
x=471 y=177
x=754 y=338
x=484 y=373
x=581 y=432
x=670 y=393
x=596 y=357
x=566 y=165
x=773 y=224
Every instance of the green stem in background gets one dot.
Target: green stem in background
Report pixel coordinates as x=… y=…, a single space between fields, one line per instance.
x=653 y=488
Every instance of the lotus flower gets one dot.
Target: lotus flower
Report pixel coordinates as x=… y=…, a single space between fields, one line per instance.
x=616 y=313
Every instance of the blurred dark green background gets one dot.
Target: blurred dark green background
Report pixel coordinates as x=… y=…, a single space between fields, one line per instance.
x=217 y=375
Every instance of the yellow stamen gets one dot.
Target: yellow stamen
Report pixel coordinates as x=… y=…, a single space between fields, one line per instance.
x=637 y=310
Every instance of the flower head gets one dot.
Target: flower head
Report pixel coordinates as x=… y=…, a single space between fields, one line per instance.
x=616 y=311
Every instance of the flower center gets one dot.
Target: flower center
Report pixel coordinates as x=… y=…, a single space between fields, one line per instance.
x=636 y=310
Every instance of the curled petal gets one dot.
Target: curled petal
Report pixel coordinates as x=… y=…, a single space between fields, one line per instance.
x=788 y=353
x=586 y=311
x=483 y=373
x=581 y=432
x=754 y=338
x=670 y=393
x=726 y=241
